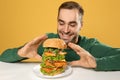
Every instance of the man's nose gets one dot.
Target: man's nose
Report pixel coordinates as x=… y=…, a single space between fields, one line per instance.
x=66 y=29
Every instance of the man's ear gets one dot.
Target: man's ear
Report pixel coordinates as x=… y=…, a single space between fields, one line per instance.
x=82 y=23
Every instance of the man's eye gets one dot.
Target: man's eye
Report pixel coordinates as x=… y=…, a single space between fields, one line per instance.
x=72 y=25
x=61 y=23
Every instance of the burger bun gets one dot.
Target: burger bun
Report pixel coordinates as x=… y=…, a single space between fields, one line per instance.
x=55 y=43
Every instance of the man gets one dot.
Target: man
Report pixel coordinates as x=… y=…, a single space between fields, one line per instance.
x=83 y=52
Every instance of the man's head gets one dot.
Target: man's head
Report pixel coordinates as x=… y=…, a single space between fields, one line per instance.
x=69 y=21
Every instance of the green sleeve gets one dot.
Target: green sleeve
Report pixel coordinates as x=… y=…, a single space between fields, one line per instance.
x=107 y=58
x=52 y=35
x=10 y=55
x=109 y=62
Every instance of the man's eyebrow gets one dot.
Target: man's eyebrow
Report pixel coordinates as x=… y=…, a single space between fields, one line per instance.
x=60 y=20
x=71 y=22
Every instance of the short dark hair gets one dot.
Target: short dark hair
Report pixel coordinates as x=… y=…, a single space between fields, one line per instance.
x=71 y=5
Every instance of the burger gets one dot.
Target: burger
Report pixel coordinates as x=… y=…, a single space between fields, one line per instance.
x=53 y=57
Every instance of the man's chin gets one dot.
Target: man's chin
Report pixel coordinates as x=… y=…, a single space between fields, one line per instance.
x=66 y=41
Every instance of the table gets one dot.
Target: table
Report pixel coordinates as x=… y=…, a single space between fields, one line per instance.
x=24 y=71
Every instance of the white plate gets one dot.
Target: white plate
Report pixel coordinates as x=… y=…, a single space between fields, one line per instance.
x=37 y=71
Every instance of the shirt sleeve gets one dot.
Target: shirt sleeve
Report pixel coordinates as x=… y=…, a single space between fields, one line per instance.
x=10 y=55
x=110 y=62
x=107 y=58
x=52 y=35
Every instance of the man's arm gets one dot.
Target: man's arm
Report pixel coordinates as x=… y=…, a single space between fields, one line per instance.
x=27 y=51
x=100 y=57
x=10 y=55
x=109 y=60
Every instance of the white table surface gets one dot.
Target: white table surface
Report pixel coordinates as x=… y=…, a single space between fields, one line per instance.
x=24 y=71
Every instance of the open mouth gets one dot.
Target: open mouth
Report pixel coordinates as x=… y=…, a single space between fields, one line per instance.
x=65 y=36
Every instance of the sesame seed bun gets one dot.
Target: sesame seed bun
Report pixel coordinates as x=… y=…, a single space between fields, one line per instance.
x=55 y=43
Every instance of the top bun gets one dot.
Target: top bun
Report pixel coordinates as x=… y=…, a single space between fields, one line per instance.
x=55 y=43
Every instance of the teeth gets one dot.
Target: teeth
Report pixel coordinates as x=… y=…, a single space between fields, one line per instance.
x=65 y=35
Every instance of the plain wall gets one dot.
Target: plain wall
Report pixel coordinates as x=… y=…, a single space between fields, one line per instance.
x=23 y=20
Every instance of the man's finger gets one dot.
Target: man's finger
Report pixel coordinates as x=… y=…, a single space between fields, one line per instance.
x=74 y=63
x=38 y=40
x=38 y=57
x=75 y=47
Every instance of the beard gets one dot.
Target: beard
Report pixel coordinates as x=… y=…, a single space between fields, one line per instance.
x=71 y=37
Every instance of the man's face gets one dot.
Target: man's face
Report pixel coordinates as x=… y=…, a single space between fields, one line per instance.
x=69 y=25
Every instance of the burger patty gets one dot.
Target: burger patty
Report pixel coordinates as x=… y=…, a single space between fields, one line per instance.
x=55 y=63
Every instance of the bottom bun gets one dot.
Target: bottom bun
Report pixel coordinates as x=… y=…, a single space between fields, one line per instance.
x=53 y=72
x=56 y=73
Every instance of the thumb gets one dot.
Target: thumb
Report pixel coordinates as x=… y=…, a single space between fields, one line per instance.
x=38 y=57
x=74 y=63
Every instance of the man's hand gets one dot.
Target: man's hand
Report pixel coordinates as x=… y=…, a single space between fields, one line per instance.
x=86 y=59
x=30 y=49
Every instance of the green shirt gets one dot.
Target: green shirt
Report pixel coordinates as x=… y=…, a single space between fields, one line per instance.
x=107 y=58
